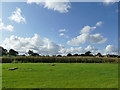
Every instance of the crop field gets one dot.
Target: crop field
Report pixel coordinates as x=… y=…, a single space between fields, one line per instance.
x=60 y=75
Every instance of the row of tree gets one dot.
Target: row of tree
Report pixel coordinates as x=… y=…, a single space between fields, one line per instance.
x=6 y=52
x=31 y=53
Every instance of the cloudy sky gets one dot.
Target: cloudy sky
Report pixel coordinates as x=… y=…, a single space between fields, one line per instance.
x=50 y=28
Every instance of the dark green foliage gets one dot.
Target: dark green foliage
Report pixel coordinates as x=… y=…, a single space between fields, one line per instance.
x=88 y=53
x=3 y=51
x=59 y=56
x=99 y=55
x=31 y=53
x=69 y=54
x=13 y=52
x=75 y=55
x=35 y=54
x=40 y=59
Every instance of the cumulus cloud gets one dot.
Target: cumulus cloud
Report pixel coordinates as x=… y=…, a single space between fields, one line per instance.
x=41 y=46
x=55 y=5
x=62 y=30
x=87 y=29
x=47 y=47
x=107 y=2
x=78 y=50
x=61 y=34
x=97 y=39
x=5 y=27
x=110 y=49
x=17 y=16
x=92 y=49
x=99 y=23
x=85 y=36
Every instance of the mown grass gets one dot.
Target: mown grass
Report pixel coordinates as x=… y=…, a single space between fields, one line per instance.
x=62 y=75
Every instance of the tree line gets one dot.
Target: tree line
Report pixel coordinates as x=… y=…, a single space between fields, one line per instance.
x=12 y=52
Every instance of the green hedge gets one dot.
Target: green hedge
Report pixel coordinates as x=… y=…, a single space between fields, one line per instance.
x=30 y=59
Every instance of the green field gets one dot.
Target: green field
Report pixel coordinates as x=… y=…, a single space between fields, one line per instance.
x=62 y=75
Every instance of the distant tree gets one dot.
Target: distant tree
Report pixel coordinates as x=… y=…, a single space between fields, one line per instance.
x=23 y=55
x=13 y=52
x=30 y=52
x=3 y=51
x=53 y=55
x=35 y=54
x=88 y=53
x=75 y=55
x=99 y=54
x=47 y=56
x=69 y=54
x=59 y=55
x=108 y=55
x=82 y=55
x=118 y=56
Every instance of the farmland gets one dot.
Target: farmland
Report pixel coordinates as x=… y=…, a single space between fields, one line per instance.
x=61 y=75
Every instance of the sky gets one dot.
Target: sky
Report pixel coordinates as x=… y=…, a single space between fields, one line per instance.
x=51 y=28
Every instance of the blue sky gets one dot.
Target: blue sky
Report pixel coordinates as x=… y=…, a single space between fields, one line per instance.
x=47 y=23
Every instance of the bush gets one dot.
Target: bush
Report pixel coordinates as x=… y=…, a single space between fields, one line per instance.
x=40 y=59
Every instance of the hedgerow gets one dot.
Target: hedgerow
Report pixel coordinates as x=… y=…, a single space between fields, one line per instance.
x=32 y=59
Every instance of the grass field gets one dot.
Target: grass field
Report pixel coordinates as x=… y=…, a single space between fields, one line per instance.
x=62 y=75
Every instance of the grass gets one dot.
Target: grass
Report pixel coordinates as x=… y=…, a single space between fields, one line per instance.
x=62 y=75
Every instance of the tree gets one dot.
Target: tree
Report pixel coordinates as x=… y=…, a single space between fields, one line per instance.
x=35 y=54
x=59 y=55
x=82 y=55
x=3 y=51
x=99 y=54
x=30 y=52
x=69 y=54
x=88 y=53
x=13 y=52
x=75 y=55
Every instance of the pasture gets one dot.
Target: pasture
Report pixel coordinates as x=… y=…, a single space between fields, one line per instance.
x=60 y=75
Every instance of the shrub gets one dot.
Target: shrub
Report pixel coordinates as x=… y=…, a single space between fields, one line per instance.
x=40 y=59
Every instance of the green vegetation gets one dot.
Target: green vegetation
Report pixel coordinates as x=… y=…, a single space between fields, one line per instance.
x=60 y=75
x=39 y=59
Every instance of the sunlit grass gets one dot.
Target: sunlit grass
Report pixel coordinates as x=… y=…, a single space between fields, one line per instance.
x=62 y=75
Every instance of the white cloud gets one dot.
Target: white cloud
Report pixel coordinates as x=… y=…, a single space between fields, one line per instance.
x=41 y=46
x=99 y=23
x=92 y=49
x=87 y=29
x=17 y=17
x=85 y=36
x=80 y=50
x=5 y=27
x=61 y=34
x=47 y=47
x=96 y=39
x=62 y=30
x=107 y=2
x=55 y=5
x=72 y=50
x=110 y=49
